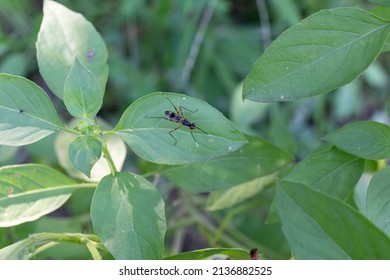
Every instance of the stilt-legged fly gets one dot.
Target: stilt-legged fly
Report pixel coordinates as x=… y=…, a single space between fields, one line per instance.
x=178 y=117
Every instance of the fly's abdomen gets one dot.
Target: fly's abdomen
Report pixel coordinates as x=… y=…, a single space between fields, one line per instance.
x=172 y=116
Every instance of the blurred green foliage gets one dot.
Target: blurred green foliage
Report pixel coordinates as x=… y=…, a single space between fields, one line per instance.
x=152 y=47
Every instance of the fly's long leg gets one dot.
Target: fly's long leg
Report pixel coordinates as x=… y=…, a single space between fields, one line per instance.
x=181 y=107
x=173 y=130
x=193 y=137
x=201 y=130
x=179 y=110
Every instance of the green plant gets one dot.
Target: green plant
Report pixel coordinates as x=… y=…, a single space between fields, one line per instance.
x=323 y=52
x=314 y=198
x=127 y=211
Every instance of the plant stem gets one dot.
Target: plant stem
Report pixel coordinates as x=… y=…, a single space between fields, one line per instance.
x=107 y=156
x=265 y=28
x=43 y=248
x=196 y=43
x=49 y=239
x=93 y=250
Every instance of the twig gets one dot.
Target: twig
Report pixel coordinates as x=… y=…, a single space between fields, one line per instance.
x=196 y=43
x=265 y=29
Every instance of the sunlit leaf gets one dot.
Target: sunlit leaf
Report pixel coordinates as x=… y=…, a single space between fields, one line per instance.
x=321 y=53
x=84 y=152
x=158 y=140
x=26 y=112
x=27 y=192
x=65 y=35
x=83 y=95
x=221 y=199
x=128 y=215
x=116 y=147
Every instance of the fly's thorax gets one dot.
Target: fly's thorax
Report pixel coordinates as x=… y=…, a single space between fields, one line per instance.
x=192 y=125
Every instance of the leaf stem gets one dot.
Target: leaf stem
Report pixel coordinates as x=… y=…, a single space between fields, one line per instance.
x=107 y=156
x=49 y=239
x=93 y=250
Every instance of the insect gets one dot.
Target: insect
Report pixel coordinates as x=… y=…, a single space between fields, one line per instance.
x=178 y=117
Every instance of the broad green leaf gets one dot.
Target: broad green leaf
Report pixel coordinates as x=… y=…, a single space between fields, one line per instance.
x=321 y=53
x=254 y=160
x=116 y=147
x=83 y=95
x=30 y=191
x=26 y=112
x=147 y=133
x=209 y=254
x=222 y=199
x=320 y=227
x=383 y=12
x=365 y=139
x=378 y=200
x=84 y=152
x=20 y=250
x=128 y=216
x=330 y=171
x=65 y=35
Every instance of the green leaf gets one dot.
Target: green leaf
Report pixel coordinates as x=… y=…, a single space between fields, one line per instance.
x=254 y=160
x=208 y=254
x=320 y=227
x=378 y=200
x=83 y=95
x=30 y=191
x=365 y=139
x=321 y=53
x=116 y=148
x=222 y=199
x=128 y=215
x=84 y=152
x=145 y=130
x=26 y=112
x=330 y=171
x=20 y=250
x=65 y=35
